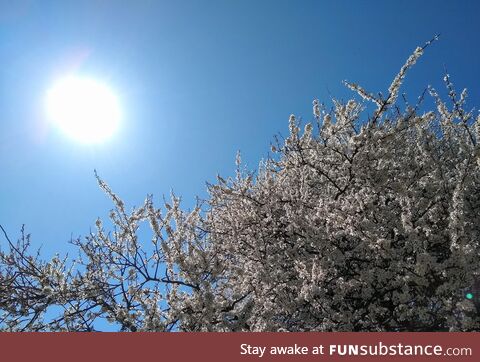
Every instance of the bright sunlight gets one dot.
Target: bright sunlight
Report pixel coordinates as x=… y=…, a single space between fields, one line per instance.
x=83 y=108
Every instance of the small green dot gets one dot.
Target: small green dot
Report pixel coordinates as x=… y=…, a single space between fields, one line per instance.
x=469 y=296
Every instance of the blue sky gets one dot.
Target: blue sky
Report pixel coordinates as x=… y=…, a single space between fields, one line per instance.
x=197 y=81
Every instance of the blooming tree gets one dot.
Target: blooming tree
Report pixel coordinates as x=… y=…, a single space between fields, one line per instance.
x=356 y=223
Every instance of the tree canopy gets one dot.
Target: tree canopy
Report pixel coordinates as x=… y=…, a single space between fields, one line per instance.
x=365 y=219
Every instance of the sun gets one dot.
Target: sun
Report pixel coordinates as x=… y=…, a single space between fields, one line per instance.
x=83 y=108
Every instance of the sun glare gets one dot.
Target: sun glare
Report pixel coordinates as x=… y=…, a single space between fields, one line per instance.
x=83 y=108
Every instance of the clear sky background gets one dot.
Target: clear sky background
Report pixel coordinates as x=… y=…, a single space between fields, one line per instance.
x=197 y=81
